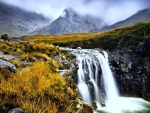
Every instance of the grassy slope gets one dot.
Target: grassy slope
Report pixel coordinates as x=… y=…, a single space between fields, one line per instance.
x=133 y=37
x=36 y=87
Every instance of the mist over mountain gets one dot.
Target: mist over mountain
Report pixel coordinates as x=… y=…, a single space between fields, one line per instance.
x=111 y=11
x=140 y=16
x=72 y=22
x=15 y=21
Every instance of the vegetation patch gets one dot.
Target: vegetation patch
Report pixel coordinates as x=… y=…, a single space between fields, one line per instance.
x=36 y=89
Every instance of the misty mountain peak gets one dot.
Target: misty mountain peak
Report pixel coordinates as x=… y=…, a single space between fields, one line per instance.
x=68 y=12
x=72 y=22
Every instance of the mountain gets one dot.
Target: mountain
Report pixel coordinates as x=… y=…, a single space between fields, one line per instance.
x=140 y=16
x=71 y=22
x=15 y=21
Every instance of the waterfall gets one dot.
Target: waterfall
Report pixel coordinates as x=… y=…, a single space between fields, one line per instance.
x=97 y=86
x=95 y=80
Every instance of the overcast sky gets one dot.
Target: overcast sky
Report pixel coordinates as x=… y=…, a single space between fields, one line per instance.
x=110 y=10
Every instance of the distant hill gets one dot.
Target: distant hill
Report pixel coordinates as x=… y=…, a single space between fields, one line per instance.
x=72 y=22
x=15 y=21
x=140 y=16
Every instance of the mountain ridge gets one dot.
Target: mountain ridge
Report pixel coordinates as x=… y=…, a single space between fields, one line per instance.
x=71 y=22
x=15 y=21
x=141 y=16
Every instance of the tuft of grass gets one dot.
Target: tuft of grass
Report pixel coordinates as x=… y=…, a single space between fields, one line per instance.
x=4 y=73
x=15 y=63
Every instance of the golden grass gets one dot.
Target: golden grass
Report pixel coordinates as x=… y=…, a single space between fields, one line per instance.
x=60 y=38
x=65 y=38
x=20 y=48
x=16 y=63
x=36 y=90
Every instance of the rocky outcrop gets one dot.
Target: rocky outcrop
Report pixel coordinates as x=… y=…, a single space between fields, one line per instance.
x=8 y=65
x=132 y=73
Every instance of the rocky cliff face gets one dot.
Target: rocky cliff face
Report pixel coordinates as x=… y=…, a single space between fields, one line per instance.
x=132 y=73
x=71 y=22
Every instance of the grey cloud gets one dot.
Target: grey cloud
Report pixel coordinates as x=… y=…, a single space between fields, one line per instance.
x=109 y=10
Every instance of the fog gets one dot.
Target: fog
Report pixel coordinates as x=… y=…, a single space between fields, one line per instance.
x=110 y=11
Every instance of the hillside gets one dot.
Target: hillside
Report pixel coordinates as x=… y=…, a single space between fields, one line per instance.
x=140 y=16
x=16 y=22
x=105 y=40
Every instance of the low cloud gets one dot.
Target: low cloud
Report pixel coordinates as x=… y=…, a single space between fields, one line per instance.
x=110 y=11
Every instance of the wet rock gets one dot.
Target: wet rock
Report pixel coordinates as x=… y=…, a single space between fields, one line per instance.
x=94 y=105
x=8 y=65
x=131 y=73
x=79 y=48
x=16 y=110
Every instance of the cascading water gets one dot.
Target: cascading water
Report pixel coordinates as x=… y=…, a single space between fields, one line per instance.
x=95 y=76
x=95 y=80
x=97 y=86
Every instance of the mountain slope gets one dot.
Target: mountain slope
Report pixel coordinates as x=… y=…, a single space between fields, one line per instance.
x=140 y=16
x=15 y=21
x=71 y=22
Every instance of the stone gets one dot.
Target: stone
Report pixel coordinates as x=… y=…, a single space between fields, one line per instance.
x=79 y=48
x=8 y=65
x=16 y=110
x=18 y=39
